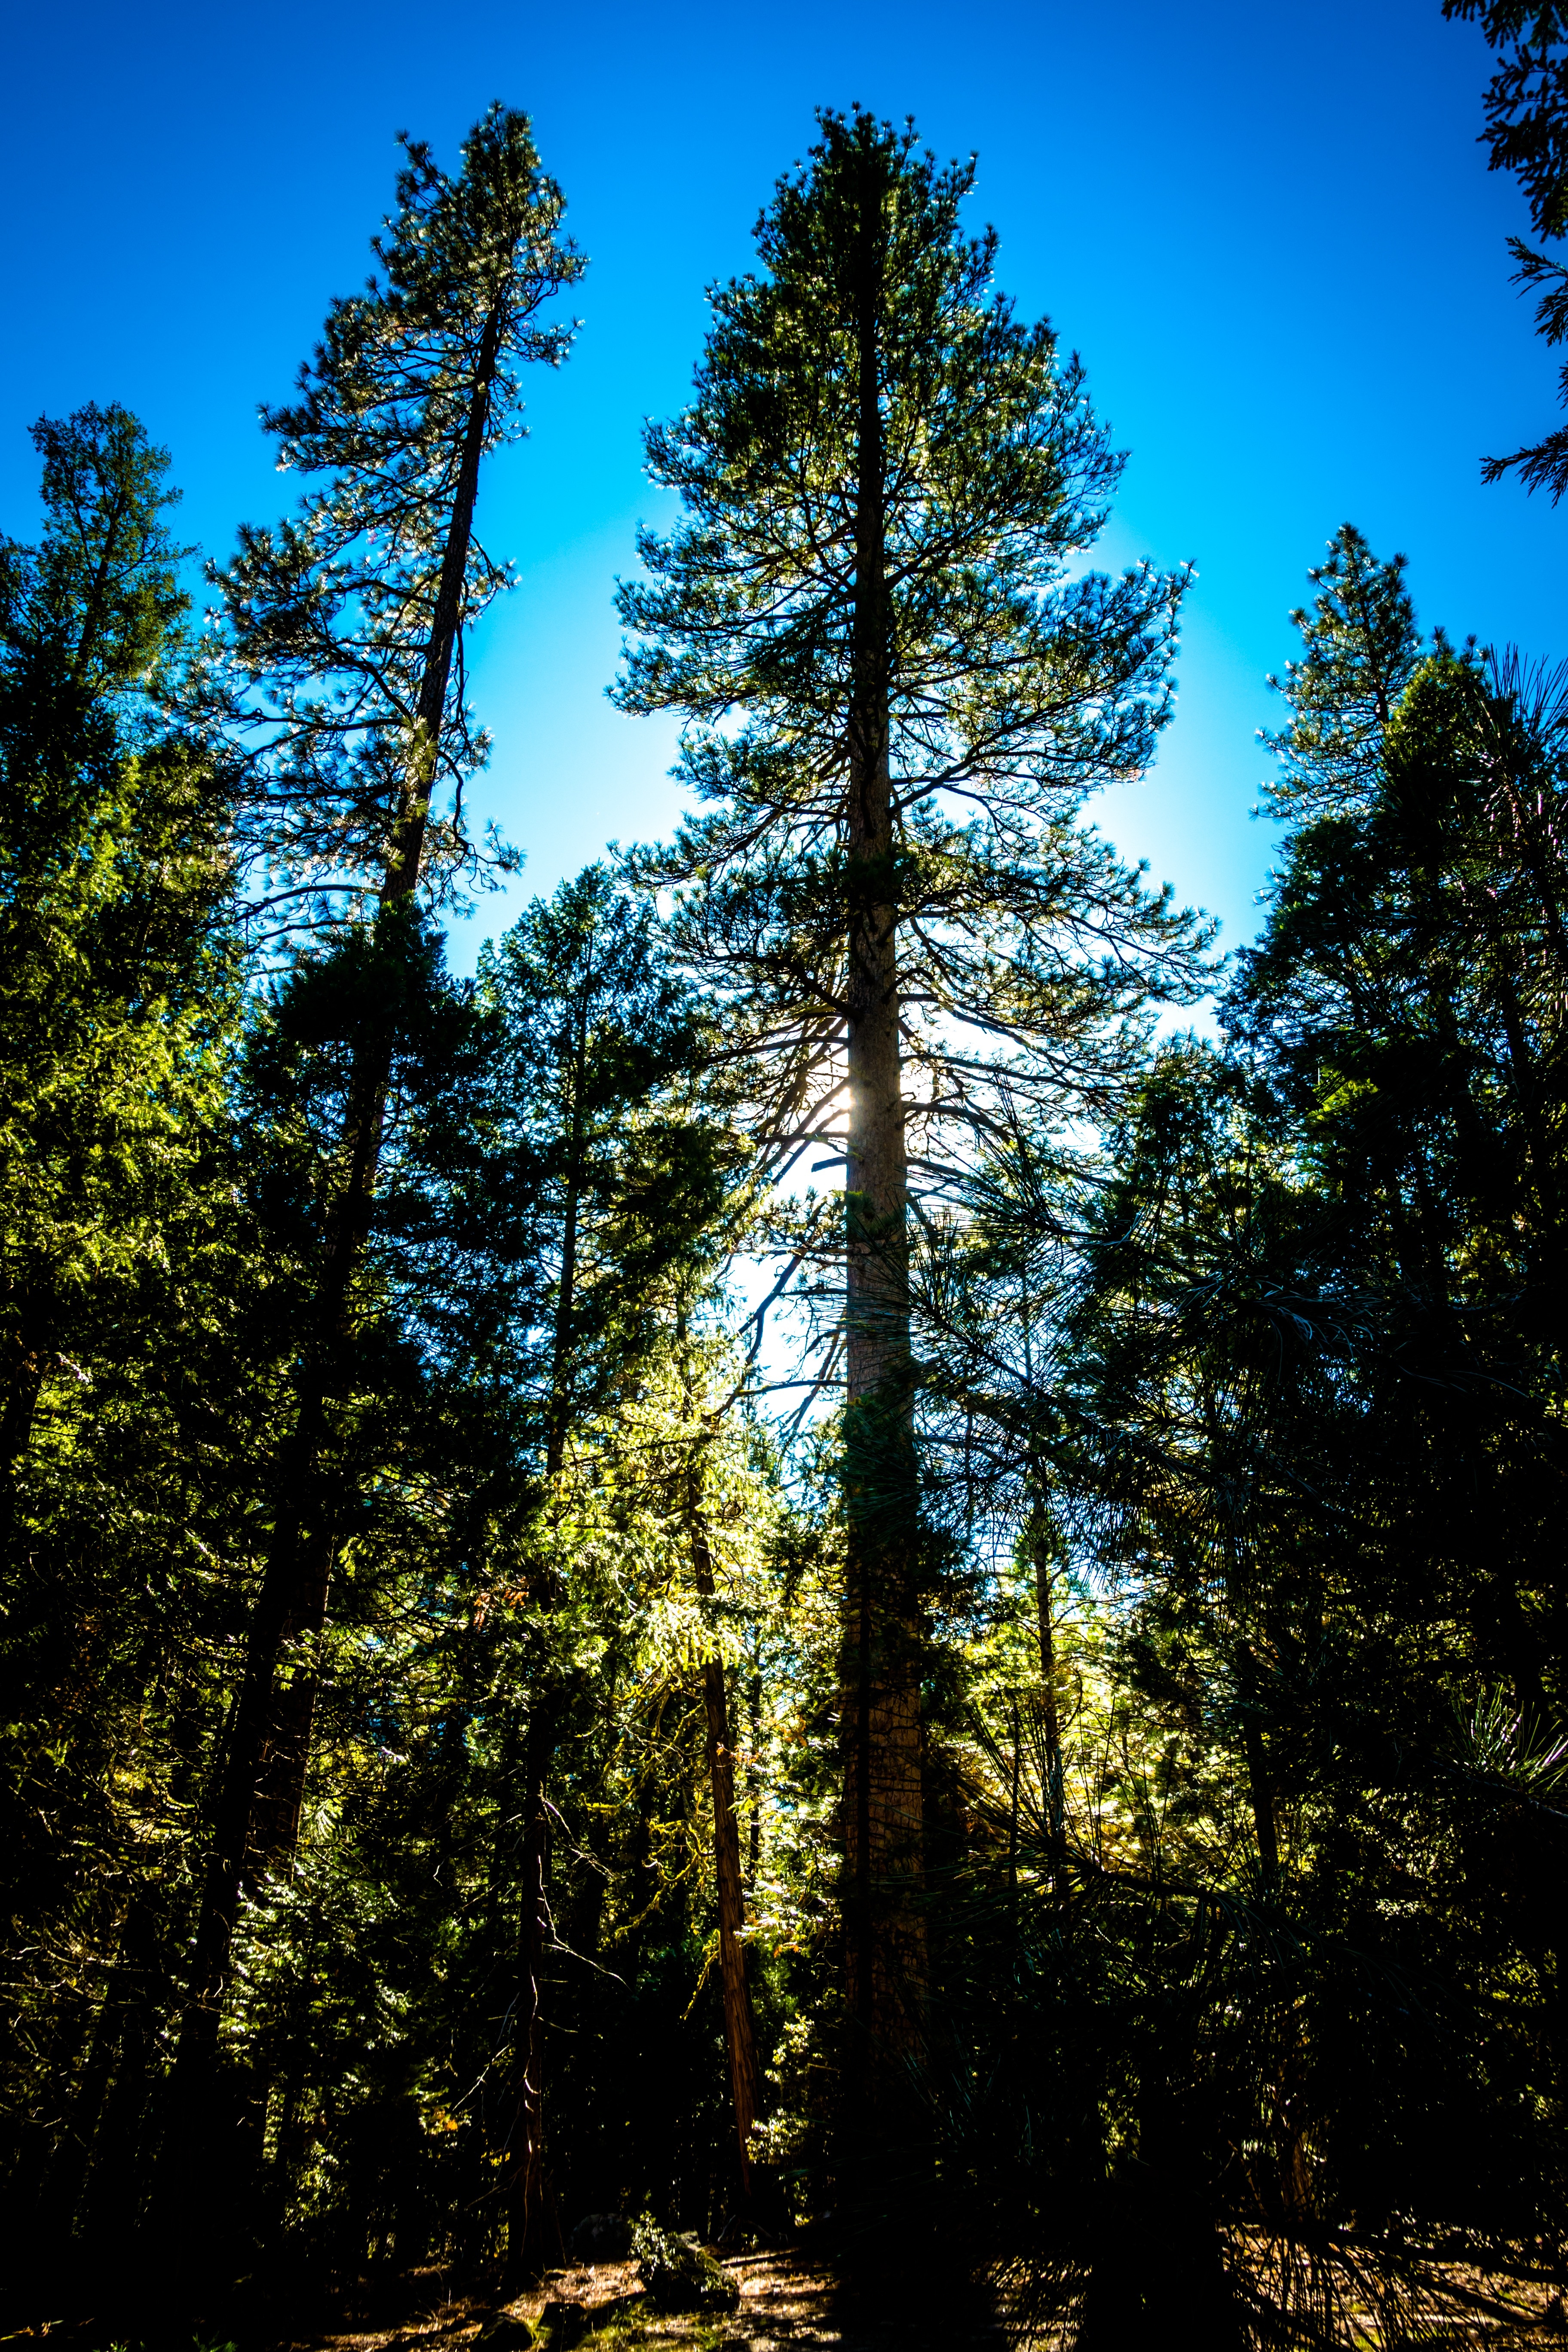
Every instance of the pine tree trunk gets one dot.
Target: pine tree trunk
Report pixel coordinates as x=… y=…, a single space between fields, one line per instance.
x=269 y=1740
x=740 y=2032
x=755 y=1782
x=104 y=2110
x=60 y=2192
x=1056 y=1807
x=23 y=1379
x=117 y=2190
x=740 y=2026
x=285 y=1758
x=1259 y=1786
x=291 y=1609
x=533 y=2235
x=879 y=1707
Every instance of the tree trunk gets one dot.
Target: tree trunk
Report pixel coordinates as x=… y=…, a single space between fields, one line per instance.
x=445 y=620
x=1260 y=1785
x=291 y=2143
x=286 y=1750
x=533 y=2234
x=880 y=1712
x=104 y=2109
x=1056 y=1802
x=740 y=2032
x=740 y=2026
x=24 y=1375
x=270 y=1744
x=59 y=2195
x=755 y=1781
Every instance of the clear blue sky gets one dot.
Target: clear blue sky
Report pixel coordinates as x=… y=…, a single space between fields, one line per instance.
x=1270 y=231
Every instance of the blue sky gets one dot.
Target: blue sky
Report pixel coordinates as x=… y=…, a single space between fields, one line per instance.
x=1269 y=232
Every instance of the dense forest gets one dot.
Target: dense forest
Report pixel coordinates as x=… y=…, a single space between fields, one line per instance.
x=1003 y=1716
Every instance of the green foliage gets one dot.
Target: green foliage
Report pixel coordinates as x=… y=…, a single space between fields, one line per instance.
x=116 y=982
x=1274 y=2006
x=333 y=616
x=1016 y=685
x=1237 y=1364
x=1527 y=133
x=1360 y=647
x=678 y=2275
x=133 y=1297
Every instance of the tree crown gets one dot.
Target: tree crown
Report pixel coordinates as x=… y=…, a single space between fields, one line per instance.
x=333 y=616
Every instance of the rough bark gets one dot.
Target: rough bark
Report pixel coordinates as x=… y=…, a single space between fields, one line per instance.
x=880 y=1713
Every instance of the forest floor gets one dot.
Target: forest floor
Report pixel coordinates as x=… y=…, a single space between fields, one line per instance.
x=788 y=2303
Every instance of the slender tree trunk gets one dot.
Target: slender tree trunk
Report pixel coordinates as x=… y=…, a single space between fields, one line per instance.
x=285 y=1758
x=1013 y=1815
x=740 y=2031
x=408 y=847
x=24 y=1374
x=880 y=1713
x=269 y=1741
x=289 y=1609
x=1260 y=1787
x=296 y=2068
x=740 y=2026
x=108 y=2097
x=60 y=2194
x=755 y=1781
x=533 y=2235
x=1259 y=1782
x=1056 y=1803
x=1531 y=1097
x=117 y=2186
x=1262 y=1795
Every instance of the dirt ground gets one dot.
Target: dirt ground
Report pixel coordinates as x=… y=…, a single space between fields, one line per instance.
x=788 y=2304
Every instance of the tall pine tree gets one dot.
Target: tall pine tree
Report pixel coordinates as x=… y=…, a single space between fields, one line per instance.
x=897 y=702
x=346 y=627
